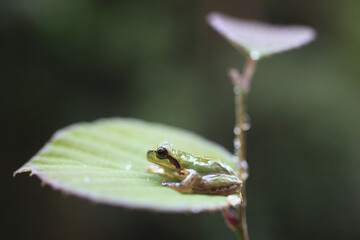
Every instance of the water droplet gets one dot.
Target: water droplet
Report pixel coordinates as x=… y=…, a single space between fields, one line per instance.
x=195 y=210
x=86 y=179
x=128 y=166
x=243 y=170
x=243 y=165
x=247 y=123
x=237 y=131
x=233 y=200
x=254 y=55
x=237 y=143
x=237 y=89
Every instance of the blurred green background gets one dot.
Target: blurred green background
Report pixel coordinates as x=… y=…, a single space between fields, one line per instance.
x=68 y=61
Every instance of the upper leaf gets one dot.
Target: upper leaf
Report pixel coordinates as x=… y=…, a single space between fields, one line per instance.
x=258 y=39
x=105 y=161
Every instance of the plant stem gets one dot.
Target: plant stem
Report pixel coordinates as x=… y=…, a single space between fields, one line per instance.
x=241 y=90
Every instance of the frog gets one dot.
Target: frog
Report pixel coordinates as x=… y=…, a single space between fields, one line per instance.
x=193 y=173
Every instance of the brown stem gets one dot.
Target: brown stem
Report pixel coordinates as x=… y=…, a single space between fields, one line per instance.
x=249 y=70
x=241 y=90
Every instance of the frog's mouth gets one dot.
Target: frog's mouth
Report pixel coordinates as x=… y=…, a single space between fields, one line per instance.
x=151 y=155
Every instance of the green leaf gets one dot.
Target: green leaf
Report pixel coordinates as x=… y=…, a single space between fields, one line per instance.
x=105 y=161
x=257 y=39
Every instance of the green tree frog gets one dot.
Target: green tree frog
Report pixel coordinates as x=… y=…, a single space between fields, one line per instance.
x=193 y=173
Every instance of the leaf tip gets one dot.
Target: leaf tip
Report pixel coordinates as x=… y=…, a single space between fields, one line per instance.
x=21 y=170
x=211 y=17
x=214 y=20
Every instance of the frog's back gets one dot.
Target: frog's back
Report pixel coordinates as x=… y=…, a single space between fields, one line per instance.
x=204 y=165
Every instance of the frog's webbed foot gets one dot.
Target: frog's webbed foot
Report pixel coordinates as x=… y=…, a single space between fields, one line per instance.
x=159 y=170
x=186 y=185
x=178 y=187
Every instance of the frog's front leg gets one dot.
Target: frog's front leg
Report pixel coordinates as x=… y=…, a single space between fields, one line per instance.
x=160 y=170
x=186 y=185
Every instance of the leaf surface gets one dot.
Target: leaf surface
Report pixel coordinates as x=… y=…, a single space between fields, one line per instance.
x=257 y=39
x=105 y=161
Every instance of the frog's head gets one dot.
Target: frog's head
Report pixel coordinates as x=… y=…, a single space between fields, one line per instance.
x=164 y=157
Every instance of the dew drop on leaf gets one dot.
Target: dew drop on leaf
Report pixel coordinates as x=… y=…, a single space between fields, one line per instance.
x=128 y=166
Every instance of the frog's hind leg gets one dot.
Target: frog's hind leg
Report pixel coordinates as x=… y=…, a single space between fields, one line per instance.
x=218 y=184
x=186 y=185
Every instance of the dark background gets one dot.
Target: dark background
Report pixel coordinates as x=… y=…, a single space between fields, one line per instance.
x=65 y=61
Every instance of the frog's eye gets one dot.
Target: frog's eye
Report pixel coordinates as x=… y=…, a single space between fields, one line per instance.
x=161 y=153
